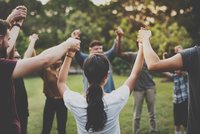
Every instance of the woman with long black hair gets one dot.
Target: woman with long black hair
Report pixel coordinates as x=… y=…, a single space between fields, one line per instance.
x=96 y=111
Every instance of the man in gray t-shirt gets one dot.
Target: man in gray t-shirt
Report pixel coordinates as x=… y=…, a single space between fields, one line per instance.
x=188 y=60
x=144 y=89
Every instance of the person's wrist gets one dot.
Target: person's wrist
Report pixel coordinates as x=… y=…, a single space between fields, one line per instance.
x=69 y=55
x=145 y=40
x=16 y=24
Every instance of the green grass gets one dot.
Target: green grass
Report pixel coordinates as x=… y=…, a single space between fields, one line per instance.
x=36 y=100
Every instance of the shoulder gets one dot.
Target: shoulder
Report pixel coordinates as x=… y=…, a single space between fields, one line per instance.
x=7 y=65
x=71 y=95
x=121 y=93
x=190 y=51
x=74 y=99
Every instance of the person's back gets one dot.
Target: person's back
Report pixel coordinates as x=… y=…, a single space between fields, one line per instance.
x=113 y=104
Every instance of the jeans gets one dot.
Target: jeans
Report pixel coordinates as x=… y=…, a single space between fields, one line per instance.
x=52 y=107
x=150 y=96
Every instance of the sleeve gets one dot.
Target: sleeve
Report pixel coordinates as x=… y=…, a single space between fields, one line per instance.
x=68 y=98
x=122 y=93
x=111 y=53
x=189 y=58
x=7 y=67
x=80 y=58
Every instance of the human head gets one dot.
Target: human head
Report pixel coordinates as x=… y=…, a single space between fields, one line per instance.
x=4 y=38
x=177 y=49
x=96 y=68
x=95 y=47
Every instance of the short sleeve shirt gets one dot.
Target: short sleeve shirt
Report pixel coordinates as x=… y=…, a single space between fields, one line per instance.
x=145 y=79
x=113 y=104
x=8 y=114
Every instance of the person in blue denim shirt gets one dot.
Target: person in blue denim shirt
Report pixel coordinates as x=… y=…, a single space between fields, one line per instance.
x=96 y=47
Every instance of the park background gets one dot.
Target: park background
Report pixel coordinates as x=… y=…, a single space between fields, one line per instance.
x=171 y=22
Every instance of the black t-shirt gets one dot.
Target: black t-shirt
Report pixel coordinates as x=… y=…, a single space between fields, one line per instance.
x=21 y=98
x=145 y=79
x=8 y=113
x=191 y=63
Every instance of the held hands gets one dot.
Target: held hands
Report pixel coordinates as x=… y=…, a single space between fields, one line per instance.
x=17 y=15
x=119 y=32
x=76 y=34
x=73 y=44
x=143 y=35
x=33 y=37
x=71 y=54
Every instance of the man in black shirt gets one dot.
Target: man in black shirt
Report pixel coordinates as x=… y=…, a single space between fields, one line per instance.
x=188 y=60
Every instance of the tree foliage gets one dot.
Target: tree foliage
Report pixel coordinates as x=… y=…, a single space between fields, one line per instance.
x=171 y=22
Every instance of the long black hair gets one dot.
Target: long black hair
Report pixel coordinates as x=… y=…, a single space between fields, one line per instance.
x=96 y=69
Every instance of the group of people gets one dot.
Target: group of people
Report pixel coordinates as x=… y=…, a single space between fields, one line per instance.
x=97 y=109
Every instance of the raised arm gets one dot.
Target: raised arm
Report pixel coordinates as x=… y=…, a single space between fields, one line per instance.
x=45 y=59
x=116 y=46
x=63 y=74
x=80 y=56
x=130 y=82
x=30 y=51
x=167 y=74
x=15 y=19
x=152 y=59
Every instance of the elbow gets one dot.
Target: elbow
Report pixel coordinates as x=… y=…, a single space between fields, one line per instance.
x=152 y=67
x=46 y=61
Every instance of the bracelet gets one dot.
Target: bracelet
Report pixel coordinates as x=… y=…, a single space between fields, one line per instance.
x=69 y=56
x=16 y=24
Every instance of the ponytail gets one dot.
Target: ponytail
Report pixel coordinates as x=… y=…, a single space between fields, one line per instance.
x=96 y=116
x=96 y=70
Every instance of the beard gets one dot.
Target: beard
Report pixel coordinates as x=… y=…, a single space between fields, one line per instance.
x=3 y=51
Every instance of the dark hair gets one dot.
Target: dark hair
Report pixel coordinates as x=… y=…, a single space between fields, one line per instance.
x=95 y=43
x=95 y=68
x=4 y=25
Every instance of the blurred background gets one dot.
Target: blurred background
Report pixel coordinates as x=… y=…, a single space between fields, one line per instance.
x=172 y=23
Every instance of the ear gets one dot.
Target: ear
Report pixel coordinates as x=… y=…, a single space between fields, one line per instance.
x=105 y=79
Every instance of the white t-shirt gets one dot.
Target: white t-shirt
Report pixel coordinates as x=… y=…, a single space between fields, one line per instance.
x=113 y=104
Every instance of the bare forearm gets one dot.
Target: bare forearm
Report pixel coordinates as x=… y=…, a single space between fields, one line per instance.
x=65 y=69
x=30 y=50
x=118 y=46
x=14 y=32
x=55 y=53
x=63 y=74
x=150 y=56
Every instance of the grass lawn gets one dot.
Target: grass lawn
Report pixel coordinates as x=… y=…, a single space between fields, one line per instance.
x=36 y=100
